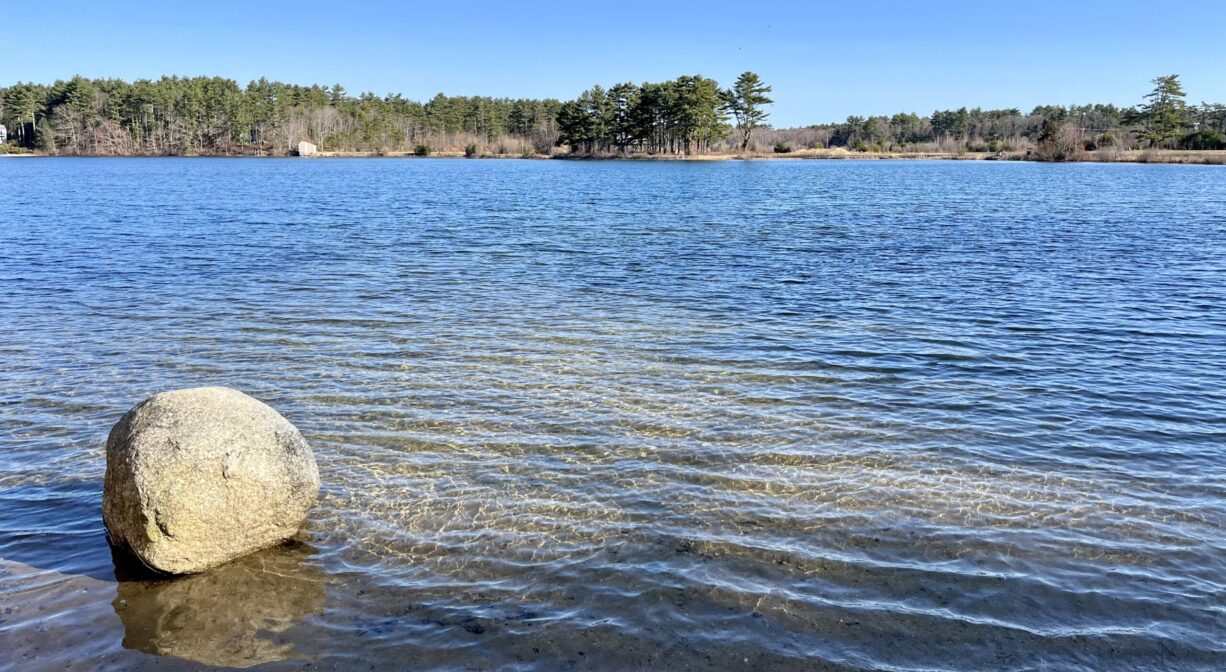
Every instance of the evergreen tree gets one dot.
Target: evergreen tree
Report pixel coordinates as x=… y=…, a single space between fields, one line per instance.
x=22 y=102
x=44 y=136
x=699 y=112
x=1164 y=115
x=745 y=100
x=574 y=127
x=623 y=124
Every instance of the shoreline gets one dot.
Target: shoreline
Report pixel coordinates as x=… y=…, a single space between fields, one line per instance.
x=1164 y=156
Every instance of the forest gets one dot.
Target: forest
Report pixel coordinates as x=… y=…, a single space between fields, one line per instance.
x=216 y=116
x=689 y=115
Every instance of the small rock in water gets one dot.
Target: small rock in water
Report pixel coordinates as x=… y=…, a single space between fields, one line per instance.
x=196 y=478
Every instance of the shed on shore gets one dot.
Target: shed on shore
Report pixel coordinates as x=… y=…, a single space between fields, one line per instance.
x=307 y=148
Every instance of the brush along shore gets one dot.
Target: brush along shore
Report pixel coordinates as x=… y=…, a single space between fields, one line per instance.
x=1200 y=157
x=1203 y=157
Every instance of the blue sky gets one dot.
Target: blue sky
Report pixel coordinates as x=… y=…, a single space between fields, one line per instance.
x=825 y=60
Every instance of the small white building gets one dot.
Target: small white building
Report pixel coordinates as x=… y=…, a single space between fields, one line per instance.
x=307 y=148
x=4 y=134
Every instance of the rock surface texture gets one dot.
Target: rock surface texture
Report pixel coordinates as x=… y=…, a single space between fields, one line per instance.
x=196 y=478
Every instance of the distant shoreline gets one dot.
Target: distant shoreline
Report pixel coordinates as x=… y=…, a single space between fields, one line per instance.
x=1167 y=156
x=1206 y=157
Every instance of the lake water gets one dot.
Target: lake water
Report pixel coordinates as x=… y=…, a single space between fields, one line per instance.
x=635 y=415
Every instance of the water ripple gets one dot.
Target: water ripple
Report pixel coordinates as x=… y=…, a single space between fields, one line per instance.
x=718 y=416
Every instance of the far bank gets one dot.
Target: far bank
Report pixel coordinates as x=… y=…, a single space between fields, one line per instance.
x=1174 y=156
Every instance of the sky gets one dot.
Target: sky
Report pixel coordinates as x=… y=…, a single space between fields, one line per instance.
x=825 y=61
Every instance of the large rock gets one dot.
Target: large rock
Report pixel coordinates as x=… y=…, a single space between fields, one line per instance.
x=196 y=478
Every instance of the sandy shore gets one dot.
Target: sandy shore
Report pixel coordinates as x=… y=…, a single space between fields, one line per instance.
x=1206 y=157
x=837 y=153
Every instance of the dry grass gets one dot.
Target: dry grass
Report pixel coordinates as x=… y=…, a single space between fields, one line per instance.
x=524 y=151
x=1206 y=157
x=1202 y=157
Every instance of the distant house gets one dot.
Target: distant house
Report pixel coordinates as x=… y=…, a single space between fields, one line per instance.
x=307 y=148
x=4 y=134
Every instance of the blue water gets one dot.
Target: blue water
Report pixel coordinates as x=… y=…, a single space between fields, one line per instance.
x=775 y=415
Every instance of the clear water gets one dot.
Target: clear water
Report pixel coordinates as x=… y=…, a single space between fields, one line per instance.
x=717 y=415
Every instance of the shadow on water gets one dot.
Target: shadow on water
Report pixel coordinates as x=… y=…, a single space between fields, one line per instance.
x=235 y=615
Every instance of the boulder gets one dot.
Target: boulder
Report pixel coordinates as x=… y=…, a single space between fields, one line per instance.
x=196 y=478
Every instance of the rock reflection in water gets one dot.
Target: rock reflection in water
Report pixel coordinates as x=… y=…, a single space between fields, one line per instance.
x=233 y=615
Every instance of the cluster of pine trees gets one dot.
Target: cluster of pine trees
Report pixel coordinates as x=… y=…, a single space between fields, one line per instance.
x=690 y=114
x=211 y=115
x=685 y=115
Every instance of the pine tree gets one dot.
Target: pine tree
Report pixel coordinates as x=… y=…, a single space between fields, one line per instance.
x=1163 y=116
x=623 y=100
x=44 y=136
x=745 y=100
x=21 y=105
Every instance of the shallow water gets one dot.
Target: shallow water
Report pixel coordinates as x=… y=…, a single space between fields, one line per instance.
x=734 y=415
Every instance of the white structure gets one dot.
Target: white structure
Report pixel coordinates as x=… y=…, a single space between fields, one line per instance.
x=4 y=134
x=307 y=148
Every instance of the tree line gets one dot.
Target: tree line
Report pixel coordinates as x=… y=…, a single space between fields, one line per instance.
x=691 y=114
x=685 y=115
x=212 y=115
x=1163 y=119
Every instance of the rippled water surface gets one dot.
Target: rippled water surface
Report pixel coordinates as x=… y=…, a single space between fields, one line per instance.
x=695 y=416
